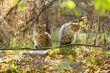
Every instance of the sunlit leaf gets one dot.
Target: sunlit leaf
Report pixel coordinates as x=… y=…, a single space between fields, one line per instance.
x=59 y=66
x=81 y=23
x=77 y=11
x=70 y=57
x=67 y=3
x=70 y=4
x=102 y=5
x=94 y=25
x=62 y=5
x=13 y=2
x=22 y=6
x=107 y=52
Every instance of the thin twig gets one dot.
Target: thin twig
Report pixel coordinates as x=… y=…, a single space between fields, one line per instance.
x=46 y=48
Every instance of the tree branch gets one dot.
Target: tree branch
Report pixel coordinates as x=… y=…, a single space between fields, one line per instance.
x=40 y=12
x=46 y=48
x=11 y=9
x=35 y=19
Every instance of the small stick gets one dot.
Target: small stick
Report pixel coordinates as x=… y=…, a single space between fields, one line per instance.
x=46 y=48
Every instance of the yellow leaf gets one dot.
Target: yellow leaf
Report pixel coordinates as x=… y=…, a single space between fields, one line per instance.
x=94 y=25
x=81 y=23
x=70 y=57
x=13 y=2
x=22 y=6
x=70 y=4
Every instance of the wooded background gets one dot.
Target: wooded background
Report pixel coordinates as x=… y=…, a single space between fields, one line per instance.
x=17 y=18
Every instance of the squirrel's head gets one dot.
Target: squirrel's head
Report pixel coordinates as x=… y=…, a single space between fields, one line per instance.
x=75 y=26
x=41 y=28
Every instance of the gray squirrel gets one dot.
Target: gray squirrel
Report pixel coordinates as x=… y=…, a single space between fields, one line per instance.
x=68 y=32
x=41 y=38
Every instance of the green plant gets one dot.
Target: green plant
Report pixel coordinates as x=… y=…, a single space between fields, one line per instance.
x=55 y=37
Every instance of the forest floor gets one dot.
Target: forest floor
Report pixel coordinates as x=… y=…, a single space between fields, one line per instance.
x=63 y=60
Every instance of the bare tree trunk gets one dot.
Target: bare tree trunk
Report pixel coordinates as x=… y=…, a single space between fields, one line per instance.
x=43 y=18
